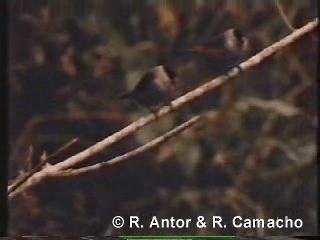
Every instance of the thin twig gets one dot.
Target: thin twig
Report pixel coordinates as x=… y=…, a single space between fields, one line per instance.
x=189 y=97
x=129 y=155
x=283 y=15
x=38 y=167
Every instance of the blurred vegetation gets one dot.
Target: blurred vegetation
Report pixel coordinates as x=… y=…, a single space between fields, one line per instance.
x=253 y=155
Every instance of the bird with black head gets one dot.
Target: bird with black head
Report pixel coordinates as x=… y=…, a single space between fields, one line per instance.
x=158 y=86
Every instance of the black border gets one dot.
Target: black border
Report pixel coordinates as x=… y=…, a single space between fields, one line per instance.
x=4 y=120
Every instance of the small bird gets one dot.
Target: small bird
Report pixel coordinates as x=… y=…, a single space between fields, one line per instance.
x=157 y=86
x=235 y=41
x=231 y=41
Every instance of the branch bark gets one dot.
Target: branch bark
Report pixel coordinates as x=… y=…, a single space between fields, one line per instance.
x=129 y=155
x=81 y=157
x=189 y=97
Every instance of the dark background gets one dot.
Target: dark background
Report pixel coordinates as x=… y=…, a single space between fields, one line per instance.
x=253 y=155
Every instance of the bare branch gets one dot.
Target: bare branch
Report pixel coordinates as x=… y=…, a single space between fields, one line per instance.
x=38 y=167
x=53 y=171
x=178 y=103
x=283 y=15
x=129 y=155
x=188 y=97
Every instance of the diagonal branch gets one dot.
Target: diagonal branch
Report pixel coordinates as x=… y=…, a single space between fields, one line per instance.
x=283 y=15
x=129 y=155
x=189 y=97
x=18 y=182
x=178 y=103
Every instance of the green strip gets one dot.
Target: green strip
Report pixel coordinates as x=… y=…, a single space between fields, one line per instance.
x=178 y=237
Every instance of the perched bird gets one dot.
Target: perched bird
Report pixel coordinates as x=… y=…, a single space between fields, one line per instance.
x=235 y=41
x=157 y=86
x=231 y=41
